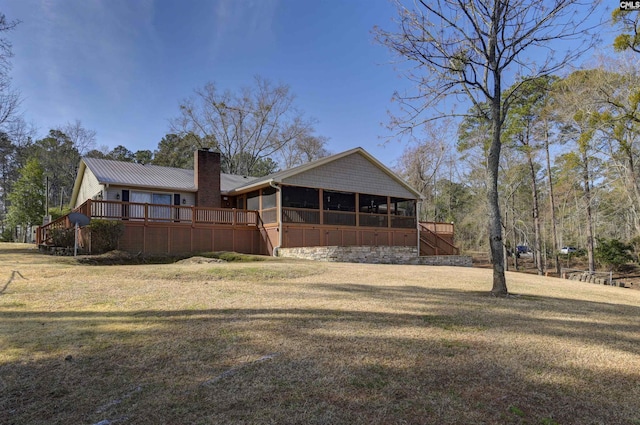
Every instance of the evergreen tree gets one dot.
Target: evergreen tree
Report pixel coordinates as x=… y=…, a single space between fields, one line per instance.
x=27 y=199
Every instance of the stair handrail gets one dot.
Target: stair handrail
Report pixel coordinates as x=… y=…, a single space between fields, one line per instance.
x=454 y=248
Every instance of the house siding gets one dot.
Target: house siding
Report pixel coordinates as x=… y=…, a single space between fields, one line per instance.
x=113 y=191
x=353 y=173
x=89 y=188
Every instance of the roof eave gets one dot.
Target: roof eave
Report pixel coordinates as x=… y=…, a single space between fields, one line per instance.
x=144 y=186
x=252 y=186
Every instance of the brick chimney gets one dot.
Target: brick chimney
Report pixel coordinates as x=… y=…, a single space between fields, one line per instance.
x=206 y=176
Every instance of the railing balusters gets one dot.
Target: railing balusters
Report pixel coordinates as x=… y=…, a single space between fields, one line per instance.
x=117 y=210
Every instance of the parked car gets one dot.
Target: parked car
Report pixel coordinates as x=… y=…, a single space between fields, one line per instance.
x=522 y=249
x=568 y=250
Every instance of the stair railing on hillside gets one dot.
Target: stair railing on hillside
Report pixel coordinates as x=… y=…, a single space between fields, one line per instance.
x=429 y=236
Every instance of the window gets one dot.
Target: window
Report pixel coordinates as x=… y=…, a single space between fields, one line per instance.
x=403 y=213
x=373 y=211
x=404 y=207
x=339 y=201
x=373 y=204
x=161 y=198
x=339 y=208
x=268 y=198
x=300 y=197
x=141 y=197
x=253 y=200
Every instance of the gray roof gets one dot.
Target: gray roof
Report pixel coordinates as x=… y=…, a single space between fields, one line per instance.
x=154 y=176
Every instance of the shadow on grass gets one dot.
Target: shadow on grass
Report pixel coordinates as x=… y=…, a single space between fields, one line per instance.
x=23 y=251
x=447 y=356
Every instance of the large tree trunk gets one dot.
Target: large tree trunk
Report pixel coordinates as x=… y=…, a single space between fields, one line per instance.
x=495 y=227
x=632 y=186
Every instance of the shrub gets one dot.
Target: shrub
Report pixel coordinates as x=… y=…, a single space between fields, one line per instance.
x=613 y=253
x=7 y=234
x=105 y=235
x=63 y=237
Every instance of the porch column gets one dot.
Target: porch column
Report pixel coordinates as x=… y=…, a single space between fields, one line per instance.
x=321 y=205
x=279 y=222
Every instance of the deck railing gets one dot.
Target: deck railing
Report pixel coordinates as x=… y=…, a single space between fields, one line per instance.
x=433 y=243
x=156 y=213
x=437 y=227
x=44 y=234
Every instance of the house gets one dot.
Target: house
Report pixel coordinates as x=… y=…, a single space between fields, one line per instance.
x=345 y=200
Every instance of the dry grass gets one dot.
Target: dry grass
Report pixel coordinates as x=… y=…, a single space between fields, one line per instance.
x=309 y=343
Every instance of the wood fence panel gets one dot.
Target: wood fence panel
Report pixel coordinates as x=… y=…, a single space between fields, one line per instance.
x=247 y=240
x=333 y=238
x=202 y=239
x=406 y=238
x=349 y=238
x=223 y=239
x=311 y=237
x=157 y=240
x=180 y=239
x=133 y=239
x=293 y=237
x=368 y=237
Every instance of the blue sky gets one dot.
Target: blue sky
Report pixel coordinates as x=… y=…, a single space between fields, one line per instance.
x=123 y=66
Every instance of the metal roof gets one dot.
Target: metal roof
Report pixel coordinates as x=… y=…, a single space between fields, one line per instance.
x=154 y=176
x=179 y=179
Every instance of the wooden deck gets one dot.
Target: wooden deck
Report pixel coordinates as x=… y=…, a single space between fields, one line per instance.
x=154 y=228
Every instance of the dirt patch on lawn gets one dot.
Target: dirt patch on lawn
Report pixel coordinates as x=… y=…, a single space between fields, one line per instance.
x=200 y=260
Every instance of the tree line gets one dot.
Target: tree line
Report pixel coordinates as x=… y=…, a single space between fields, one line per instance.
x=569 y=166
x=509 y=62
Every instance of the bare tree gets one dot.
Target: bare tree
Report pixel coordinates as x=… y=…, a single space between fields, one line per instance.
x=304 y=149
x=247 y=127
x=421 y=164
x=9 y=98
x=469 y=49
x=82 y=138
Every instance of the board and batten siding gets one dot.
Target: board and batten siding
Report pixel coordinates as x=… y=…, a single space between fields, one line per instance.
x=89 y=187
x=353 y=173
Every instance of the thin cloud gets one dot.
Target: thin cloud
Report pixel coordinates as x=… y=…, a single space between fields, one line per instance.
x=243 y=22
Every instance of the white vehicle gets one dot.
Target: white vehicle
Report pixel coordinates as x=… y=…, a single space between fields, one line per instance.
x=568 y=250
